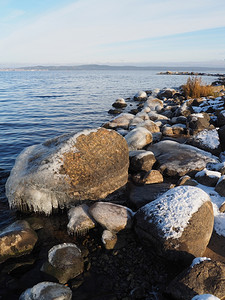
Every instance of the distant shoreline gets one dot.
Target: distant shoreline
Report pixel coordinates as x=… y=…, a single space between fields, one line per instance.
x=95 y=67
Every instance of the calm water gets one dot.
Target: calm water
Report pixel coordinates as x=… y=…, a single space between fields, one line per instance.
x=35 y=106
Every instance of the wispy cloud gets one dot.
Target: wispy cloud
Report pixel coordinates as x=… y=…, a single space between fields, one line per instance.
x=85 y=29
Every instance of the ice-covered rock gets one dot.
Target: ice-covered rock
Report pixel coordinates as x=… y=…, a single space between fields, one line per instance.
x=140 y=96
x=180 y=159
x=138 y=138
x=112 y=216
x=178 y=224
x=204 y=278
x=150 y=125
x=166 y=93
x=205 y=297
x=109 y=239
x=80 y=221
x=198 y=260
x=154 y=116
x=16 y=240
x=119 y=103
x=154 y=104
x=47 y=291
x=62 y=171
x=121 y=121
x=198 y=122
x=65 y=262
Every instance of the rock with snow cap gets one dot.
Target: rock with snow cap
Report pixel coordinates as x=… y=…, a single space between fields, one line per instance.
x=112 y=217
x=65 y=262
x=180 y=159
x=16 y=240
x=178 y=224
x=47 y=291
x=198 y=122
x=154 y=104
x=154 y=116
x=150 y=125
x=121 y=121
x=62 y=171
x=166 y=93
x=119 y=103
x=80 y=221
x=138 y=138
x=141 y=160
x=140 y=96
x=207 y=177
x=109 y=239
x=206 y=277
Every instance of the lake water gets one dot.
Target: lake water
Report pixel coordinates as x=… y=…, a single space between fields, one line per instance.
x=35 y=106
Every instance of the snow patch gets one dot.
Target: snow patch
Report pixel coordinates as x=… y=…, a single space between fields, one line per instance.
x=198 y=260
x=211 y=174
x=205 y=297
x=173 y=210
x=208 y=138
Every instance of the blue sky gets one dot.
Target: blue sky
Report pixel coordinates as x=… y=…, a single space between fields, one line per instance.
x=112 y=32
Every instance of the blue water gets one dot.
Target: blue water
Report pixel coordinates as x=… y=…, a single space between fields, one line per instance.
x=35 y=106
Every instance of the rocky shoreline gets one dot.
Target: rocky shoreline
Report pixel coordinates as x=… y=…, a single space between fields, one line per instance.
x=122 y=211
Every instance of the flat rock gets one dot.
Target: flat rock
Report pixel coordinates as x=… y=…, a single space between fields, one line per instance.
x=62 y=171
x=141 y=195
x=206 y=277
x=121 y=121
x=112 y=217
x=16 y=240
x=47 y=291
x=178 y=224
x=180 y=159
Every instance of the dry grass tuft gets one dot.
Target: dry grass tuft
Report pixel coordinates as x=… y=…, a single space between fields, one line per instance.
x=194 y=88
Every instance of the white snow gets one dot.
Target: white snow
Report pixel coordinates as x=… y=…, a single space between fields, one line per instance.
x=211 y=174
x=199 y=115
x=205 y=297
x=173 y=210
x=198 y=260
x=209 y=138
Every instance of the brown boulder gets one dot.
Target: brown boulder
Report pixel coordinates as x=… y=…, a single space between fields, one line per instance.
x=206 y=277
x=62 y=171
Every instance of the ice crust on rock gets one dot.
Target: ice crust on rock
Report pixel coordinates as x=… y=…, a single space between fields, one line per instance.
x=173 y=210
x=72 y=249
x=205 y=297
x=209 y=138
x=198 y=260
x=205 y=172
x=41 y=198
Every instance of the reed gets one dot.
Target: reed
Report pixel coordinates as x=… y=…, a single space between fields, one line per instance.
x=194 y=88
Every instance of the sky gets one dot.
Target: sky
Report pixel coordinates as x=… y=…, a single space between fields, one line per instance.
x=71 y=32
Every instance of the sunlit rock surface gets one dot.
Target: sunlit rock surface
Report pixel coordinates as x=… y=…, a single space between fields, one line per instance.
x=88 y=165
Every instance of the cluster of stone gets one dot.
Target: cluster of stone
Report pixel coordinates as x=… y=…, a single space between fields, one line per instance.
x=154 y=155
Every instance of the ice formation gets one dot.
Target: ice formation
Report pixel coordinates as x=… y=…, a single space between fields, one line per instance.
x=205 y=297
x=173 y=210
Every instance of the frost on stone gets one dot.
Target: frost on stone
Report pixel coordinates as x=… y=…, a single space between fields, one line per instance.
x=211 y=174
x=209 y=138
x=205 y=297
x=198 y=260
x=173 y=210
x=138 y=138
x=46 y=291
x=42 y=163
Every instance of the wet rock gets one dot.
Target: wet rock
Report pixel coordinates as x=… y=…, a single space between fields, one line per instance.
x=62 y=171
x=46 y=291
x=141 y=195
x=206 y=277
x=119 y=103
x=207 y=177
x=64 y=262
x=80 y=221
x=140 y=96
x=16 y=240
x=178 y=224
x=138 y=138
x=153 y=176
x=180 y=159
x=141 y=160
x=109 y=239
x=112 y=216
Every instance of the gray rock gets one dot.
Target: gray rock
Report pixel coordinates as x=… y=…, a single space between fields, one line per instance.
x=180 y=159
x=119 y=103
x=59 y=173
x=64 y=262
x=140 y=96
x=16 y=240
x=112 y=217
x=47 y=291
x=141 y=160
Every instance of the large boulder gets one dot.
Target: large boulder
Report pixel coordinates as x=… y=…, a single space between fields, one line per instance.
x=180 y=159
x=47 y=291
x=16 y=240
x=62 y=171
x=206 y=277
x=178 y=224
